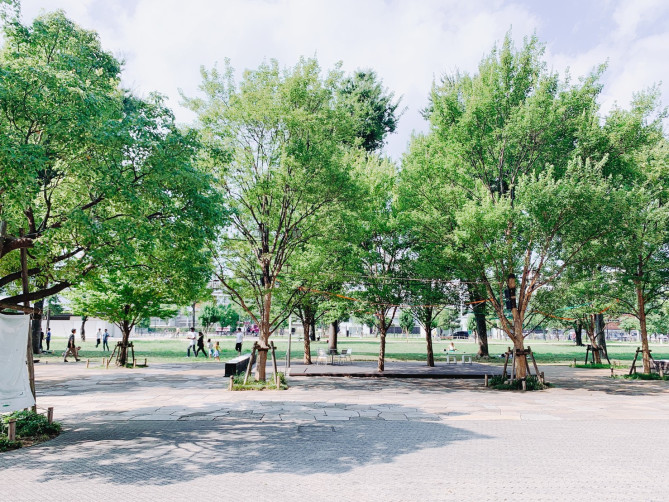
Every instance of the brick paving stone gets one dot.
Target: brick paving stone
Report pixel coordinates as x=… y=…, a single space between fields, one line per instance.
x=456 y=441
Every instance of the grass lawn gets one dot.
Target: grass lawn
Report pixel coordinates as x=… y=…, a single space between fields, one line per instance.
x=174 y=350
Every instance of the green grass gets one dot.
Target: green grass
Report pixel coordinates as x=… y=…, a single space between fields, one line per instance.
x=644 y=376
x=531 y=383
x=399 y=349
x=253 y=384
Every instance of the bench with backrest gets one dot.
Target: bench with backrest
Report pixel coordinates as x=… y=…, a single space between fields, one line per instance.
x=238 y=364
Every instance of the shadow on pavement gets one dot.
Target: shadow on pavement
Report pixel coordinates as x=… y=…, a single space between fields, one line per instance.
x=165 y=453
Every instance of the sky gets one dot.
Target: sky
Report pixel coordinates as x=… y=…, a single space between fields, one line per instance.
x=409 y=43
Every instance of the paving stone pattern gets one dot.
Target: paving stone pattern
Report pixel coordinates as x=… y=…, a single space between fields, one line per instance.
x=173 y=432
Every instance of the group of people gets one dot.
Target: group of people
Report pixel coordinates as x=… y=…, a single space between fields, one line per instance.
x=196 y=344
x=72 y=348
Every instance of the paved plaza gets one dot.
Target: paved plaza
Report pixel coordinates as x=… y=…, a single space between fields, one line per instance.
x=172 y=431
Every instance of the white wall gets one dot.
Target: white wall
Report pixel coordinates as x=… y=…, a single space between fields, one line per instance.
x=62 y=329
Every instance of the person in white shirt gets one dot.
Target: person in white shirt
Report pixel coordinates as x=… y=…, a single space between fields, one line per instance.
x=98 y=338
x=192 y=337
x=240 y=339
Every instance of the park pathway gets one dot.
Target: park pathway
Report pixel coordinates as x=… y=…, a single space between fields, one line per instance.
x=173 y=431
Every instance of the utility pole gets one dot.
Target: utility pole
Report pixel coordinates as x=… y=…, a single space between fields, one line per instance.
x=193 y=315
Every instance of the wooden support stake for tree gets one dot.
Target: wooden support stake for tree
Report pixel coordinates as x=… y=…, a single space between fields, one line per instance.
x=485 y=380
x=250 y=363
x=11 y=433
x=542 y=378
x=232 y=383
x=524 y=385
x=633 y=367
x=88 y=363
x=276 y=371
x=611 y=371
x=534 y=361
x=49 y=414
x=587 y=350
x=506 y=362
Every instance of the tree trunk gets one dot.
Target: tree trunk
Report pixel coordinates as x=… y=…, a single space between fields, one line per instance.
x=312 y=333
x=519 y=344
x=600 y=331
x=332 y=335
x=307 y=322
x=264 y=337
x=643 y=330
x=481 y=329
x=590 y=329
x=430 y=352
x=578 y=334
x=36 y=327
x=126 y=328
x=382 y=348
x=82 y=332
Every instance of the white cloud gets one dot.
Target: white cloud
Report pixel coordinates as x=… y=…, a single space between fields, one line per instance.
x=164 y=42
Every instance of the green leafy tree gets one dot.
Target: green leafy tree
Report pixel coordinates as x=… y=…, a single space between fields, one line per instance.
x=371 y=106
x=507 y=136
x=210 y=315
x=407 y=322
x=88 y=172
x=228 y=316
x=276 y=143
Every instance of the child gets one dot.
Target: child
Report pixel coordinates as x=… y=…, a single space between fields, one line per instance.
x=210 y=346
x=217 y=352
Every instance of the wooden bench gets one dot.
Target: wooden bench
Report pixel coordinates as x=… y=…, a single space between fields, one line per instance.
x=238 y=364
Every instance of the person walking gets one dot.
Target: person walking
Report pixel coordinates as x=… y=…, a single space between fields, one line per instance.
x=210 y=347
x=71 y=347
x=98 y=338
x=240 y=339
x=105 y=340
x=200 y=345
x=217 y=352
x=48 y=339
x=191 y=342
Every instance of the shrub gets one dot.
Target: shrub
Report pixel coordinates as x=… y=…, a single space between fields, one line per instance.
x=31 y=424
x=6 y=444
x=531 y=383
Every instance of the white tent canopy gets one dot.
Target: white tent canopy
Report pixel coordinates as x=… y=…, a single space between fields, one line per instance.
x=14 y=381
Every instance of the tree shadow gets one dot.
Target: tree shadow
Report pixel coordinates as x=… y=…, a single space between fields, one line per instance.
x=166 y=453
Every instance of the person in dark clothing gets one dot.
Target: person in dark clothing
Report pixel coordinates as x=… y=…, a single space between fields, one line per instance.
x=71 y=347
x=200 y=345
x=105 y=340
x=48 y=339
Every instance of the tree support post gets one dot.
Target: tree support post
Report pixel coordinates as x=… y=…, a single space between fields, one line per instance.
x=248 y=366
x=276 y=370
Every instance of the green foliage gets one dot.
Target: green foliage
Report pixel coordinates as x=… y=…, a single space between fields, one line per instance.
x=253 y=384
x=275 y=144
x=643 y=376
x=7 y=445
x=531 y=383
x=31 y=424
x=93 y=174
x=371 y=106
x=407 y=321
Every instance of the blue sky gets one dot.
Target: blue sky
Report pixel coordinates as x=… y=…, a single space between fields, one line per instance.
x=409 y=43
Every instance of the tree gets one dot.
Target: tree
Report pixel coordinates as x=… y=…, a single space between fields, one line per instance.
x=210 y=315
x=377 y=245
x=228 y=316
x=90 y=172
x=407 y=322
x=640 y=257
x=508 y=137
x=372 y=107
x=276 y=143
